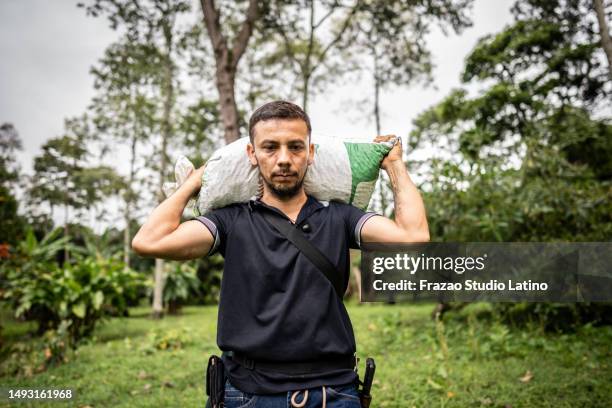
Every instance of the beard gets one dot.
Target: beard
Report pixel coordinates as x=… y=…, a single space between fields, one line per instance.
x=285 y=190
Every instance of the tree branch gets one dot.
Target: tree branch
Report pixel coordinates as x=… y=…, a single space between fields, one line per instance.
x=310 y=40
x=242 y=39
x=329 y=13
x=287 y=44
x=339 y=35
x=213 y=26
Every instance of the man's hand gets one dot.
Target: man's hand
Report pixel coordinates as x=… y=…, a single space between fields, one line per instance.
x=395 y=154
x=163 y=235
x=410 y=223
x=194 y=180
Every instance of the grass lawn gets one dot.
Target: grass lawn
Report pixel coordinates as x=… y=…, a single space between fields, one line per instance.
x=463 y=362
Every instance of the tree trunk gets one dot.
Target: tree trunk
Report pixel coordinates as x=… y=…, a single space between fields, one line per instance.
x=604 y=32
x=227 y=103
x=305 y=86
x=376 y=78
x=376 y=96
x=226 y=61
x=166 y=133
x=306 y=69
x=357 y=274
x=383 y=195
x=66 y=232
x=126 y=236
x=158 y=290
x=129 y=197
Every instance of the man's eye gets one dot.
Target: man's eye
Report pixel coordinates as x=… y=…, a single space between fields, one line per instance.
x=296 y=147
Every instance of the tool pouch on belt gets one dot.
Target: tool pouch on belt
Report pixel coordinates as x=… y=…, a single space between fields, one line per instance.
x=215 y=382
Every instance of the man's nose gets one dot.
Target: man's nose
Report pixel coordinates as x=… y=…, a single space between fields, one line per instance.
x=283 y=155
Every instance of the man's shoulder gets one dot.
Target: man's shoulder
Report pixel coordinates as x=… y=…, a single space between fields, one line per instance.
x=232 y=210
x=333 y=207
x=235 y=206
x=342 y=206
x=337 y=204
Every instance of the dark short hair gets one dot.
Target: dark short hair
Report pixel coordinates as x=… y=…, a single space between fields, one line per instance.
x=277 y=110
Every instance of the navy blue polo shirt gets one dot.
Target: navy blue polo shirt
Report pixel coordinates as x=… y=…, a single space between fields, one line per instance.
x=275 y=305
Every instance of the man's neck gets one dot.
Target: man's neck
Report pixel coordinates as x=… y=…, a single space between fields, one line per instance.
x=290 y=206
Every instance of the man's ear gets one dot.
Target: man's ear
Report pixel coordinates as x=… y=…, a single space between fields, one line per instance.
x=311 y=152
x=251 y=153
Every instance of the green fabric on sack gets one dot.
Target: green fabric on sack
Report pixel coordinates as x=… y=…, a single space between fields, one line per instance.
x=365 y=159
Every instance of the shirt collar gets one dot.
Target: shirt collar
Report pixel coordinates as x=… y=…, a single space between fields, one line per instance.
x=310 y=206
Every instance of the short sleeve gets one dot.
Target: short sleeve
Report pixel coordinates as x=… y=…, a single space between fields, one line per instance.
x=219 y=222
x=354 y=219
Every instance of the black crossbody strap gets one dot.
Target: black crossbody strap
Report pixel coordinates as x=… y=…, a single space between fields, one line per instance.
x=308 y=249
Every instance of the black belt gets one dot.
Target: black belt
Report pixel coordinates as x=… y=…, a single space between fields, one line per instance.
x=298 y=367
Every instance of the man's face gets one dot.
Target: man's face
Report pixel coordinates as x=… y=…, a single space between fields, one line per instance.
x=282 y=151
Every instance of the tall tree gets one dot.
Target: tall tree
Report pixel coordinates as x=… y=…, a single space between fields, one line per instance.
x=228 y=53
x=63 y=176
x=125 y=112
x=529 y=157
x=11 y=224
x=308 y=34
x=321 y=41
x=389 y=42
x=10 y=143
x=390 y=38
x=157 y=26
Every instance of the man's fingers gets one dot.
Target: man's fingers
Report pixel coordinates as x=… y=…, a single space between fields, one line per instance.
x=384 y=138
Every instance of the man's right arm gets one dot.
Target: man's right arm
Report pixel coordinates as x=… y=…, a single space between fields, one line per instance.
x=164 y=236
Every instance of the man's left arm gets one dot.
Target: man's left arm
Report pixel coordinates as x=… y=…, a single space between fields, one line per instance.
x=410 y=224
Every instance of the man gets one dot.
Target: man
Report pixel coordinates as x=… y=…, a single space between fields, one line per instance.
x=286 y=335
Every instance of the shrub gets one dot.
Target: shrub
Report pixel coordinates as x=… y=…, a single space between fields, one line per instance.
x=26 y=358
x=210 y=271
x=30 y=260
x=73 y=296
x=180 y=284
x=556 y=317
x=172 y=339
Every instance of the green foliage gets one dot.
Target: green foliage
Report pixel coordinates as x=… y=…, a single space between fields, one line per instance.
x=392 y=34
x=73 y=297
x=62 y=175
x=181 y=283
x=384 y=39
x=10 y=143
x=199 y=121
x=30 y=356
x=551 y=51
x=172 y=340
x=486 y=202
x=556 y=317
x=529 y=157
x=197 y=282
x=485 y=365
x=12 y=225
x=210 y=271
x=33 y=257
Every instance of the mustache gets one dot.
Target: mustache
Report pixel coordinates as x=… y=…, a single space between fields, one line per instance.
x=284 y=173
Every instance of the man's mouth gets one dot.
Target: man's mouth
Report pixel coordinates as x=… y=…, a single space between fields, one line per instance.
x=284 y=176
